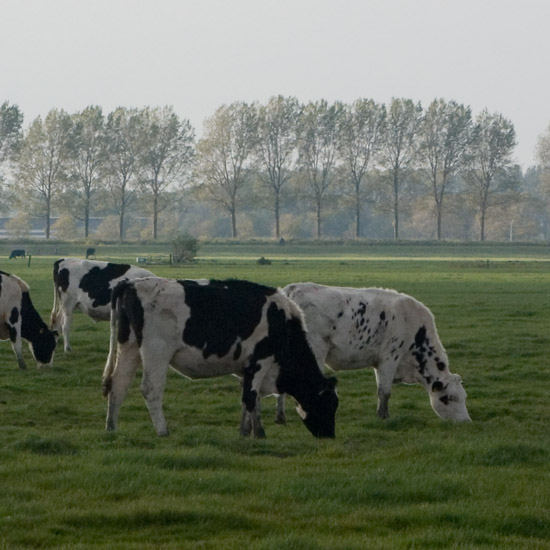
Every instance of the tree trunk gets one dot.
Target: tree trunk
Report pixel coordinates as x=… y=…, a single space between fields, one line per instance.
x=87 y=218
x=318 y=215
x=357 y=215
x=234 y=223
x=482 y=224
x=155 y=215
x=277 y=215
x=121 y=224
x=48 y=220
x=395 y=205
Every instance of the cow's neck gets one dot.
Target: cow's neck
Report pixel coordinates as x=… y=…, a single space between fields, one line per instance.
x=31 y=322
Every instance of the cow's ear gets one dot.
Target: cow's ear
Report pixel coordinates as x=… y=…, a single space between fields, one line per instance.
x=332 y=382
x=437 y=385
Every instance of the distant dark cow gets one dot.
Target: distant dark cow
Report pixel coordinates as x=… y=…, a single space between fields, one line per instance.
x=356 y=328
x=90 y=253
x=204 y=329
x=19 y=319
x=17 y=253
x=86 y=285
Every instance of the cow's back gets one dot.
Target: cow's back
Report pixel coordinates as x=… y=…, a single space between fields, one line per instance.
x=87 y=284
x=11 y=291
x=351 y=328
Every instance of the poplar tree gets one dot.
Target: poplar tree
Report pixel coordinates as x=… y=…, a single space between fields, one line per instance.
x=87 y=159
x=166 y=152
x=276 y=148
x=360 y=140
x=491 y=168
x=43 y=163
x=224 y=157
x=445 y=134
x=121 y=169
x=399 y=148
x=318 y=130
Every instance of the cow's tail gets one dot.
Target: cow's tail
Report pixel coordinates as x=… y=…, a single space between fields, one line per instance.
x=56 y=309
x=116 y=299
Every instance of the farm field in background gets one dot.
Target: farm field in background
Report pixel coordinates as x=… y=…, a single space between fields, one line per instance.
x=412 y=481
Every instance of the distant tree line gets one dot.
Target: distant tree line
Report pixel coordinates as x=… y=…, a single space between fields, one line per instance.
x=282 y=168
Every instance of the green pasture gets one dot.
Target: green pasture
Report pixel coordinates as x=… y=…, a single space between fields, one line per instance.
x=412 y=481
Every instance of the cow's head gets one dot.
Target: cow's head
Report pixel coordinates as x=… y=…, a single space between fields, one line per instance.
x=319 y=417
x=43 y=346
x=448 y=399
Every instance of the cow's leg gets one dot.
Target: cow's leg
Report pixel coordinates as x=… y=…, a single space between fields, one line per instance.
x=127 y=362
x=280 y=416
x=17 y=346
x=251 y=420
x=384 y=374
x=155 y=370
x=66 y=328
x=252 y=382
x=246 y=422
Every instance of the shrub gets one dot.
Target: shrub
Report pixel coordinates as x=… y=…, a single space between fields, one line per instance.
x=184 y=248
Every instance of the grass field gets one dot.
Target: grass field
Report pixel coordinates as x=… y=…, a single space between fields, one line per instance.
x=412 y=481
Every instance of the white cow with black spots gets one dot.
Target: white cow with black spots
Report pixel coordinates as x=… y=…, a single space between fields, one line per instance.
x=355 y=328
x=20 y=320
x=86 y=285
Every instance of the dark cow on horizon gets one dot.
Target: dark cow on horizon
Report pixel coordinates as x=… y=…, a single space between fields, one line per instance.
x=90 y=253
x=86 y=285
x=19 y=319
x=205 y=329
x=356 y=328
x=17 y=253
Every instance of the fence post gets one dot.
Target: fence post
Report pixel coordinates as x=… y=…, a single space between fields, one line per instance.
x=29 y=261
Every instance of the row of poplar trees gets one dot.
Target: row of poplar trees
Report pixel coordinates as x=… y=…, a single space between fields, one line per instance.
x=90 y=162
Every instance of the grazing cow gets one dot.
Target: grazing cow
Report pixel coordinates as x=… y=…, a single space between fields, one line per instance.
x=204 y=329
x=355 y=328
x=90 y=253
x=86 y=285
x=19 y=319
x=17 y=253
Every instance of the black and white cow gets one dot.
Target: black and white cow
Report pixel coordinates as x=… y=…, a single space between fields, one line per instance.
x=86 y=285
x=355 y=328
x=204 y=329
x=19 y=319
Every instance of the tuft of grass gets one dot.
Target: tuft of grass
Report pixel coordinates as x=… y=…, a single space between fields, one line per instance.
x=46 y=446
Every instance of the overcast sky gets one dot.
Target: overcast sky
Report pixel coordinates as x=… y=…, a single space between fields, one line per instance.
x=199 y=54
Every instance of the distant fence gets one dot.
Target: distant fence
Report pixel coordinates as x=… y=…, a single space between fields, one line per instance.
x=155 y=259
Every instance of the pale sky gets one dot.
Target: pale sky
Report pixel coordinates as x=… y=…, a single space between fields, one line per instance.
x=199 y=54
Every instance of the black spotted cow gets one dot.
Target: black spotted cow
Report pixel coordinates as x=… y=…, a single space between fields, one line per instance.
x=86 y=285
x=204 y=329
x=19 y=319
x=90 y=253
x=356 y=328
